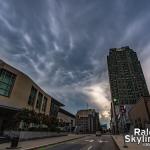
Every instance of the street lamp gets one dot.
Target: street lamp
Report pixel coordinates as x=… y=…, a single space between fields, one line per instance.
x=116 y=102
x=123 y=112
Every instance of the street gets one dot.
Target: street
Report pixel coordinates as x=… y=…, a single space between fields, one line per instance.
x=90 y=142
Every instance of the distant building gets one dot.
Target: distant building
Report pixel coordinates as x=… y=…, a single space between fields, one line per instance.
x=140 y=113
x=103 y=126
x=18 y=91
x=127 y=82
x=66 y=120
x=87 y=121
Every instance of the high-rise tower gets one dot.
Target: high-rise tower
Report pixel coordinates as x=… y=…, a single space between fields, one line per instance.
x=127 y=82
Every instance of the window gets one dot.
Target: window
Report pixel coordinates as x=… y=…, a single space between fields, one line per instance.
x=7 y=80
x=32 y=96
x=39 y=101
x=44 y=104
x=71 y=122
x=54 y=109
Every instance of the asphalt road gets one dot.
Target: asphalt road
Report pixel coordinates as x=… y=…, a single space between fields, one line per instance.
x=105 y=142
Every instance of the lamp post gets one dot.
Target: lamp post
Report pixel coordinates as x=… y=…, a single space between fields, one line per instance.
x=116 y=102
x=123 y=122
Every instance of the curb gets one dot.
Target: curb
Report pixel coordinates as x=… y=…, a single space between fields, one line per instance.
x=115 y=143
x=45 y=145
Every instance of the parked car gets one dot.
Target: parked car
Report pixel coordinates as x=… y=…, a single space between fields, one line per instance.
x=98 y=133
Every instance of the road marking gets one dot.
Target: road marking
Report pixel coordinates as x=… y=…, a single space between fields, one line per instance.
x=90 y=147
x=72 y=142
x=90 y=140
x=101 y=141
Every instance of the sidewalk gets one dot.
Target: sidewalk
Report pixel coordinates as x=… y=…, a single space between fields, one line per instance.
x=32 y=144
x=131 y=146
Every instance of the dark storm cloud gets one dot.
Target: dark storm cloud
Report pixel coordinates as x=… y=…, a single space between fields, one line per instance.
x=63 y=44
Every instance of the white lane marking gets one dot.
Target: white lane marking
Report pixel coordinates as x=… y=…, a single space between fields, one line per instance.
x=90 y=140
x=101 y=141
x=90 y=147
x=72 y=142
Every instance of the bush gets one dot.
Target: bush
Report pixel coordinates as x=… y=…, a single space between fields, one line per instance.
x=30 y=116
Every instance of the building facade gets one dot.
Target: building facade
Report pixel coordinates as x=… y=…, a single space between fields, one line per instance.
x=127 y=82
x=87 y=121
x=140 y=113
x=18 y=91
x=66 y=120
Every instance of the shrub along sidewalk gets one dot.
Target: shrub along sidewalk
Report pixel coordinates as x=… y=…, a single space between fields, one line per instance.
x=29 y=120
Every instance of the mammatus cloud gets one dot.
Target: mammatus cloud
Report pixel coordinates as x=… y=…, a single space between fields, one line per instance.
x=63 y=45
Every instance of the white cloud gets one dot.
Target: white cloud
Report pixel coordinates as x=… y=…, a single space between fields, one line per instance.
x=98 y=96
x=27 y=38
x=135 y=28
x=71 y=42
x=145 y=55
x=54 y=26
x=7 y=23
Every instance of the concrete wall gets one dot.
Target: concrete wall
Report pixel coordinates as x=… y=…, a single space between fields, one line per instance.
x=28 y=135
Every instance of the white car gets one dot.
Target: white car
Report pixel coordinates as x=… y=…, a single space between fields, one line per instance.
x=98 y=133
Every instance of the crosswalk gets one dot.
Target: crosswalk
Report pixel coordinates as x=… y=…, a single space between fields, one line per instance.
x=96 y=140
x=101 y=141
x=89 y=147
x=89 y=141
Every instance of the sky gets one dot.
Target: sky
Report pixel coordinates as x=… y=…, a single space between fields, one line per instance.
x=63 y=45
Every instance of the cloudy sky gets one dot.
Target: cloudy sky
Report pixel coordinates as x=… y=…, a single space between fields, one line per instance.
x=63 y=44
